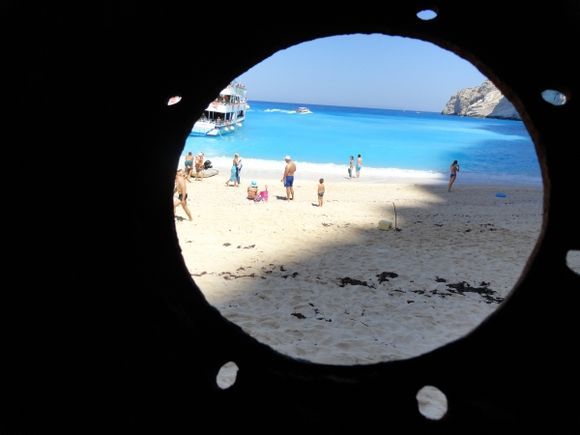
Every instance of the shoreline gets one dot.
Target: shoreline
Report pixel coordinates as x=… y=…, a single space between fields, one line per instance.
x=271 y=169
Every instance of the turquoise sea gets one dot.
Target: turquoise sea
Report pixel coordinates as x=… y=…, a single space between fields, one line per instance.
x=488 y=150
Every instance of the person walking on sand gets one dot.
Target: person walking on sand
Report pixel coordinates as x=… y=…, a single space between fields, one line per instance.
x=350 y=166
x=453 y=169
x=288 y=177
x=320 y=192
x=358 y=165
x=181 y=189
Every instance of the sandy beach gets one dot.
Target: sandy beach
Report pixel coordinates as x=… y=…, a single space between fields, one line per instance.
x=326 y=285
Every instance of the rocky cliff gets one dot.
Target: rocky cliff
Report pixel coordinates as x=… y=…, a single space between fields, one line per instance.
x=483 y=101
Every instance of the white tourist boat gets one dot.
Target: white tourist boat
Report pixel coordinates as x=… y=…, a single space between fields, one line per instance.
x=225 y=114
x=303 y=109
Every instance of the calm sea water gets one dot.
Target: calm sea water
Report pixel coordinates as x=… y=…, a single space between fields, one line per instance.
x=488 y=150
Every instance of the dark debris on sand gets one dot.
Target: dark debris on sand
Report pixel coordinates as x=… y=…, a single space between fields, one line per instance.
x=298 y=315
x=350 y=281
x=293 y=275
x=484 y=291
x=438 y=279
x=438 y=293
x=487 y=227
x=229 y=276
x=384 y=276
x=317 y=313
x=198 y=274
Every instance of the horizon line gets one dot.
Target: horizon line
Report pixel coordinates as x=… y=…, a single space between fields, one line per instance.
x=340 y=105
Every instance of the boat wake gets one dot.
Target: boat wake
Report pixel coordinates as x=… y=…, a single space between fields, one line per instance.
x=290 y=112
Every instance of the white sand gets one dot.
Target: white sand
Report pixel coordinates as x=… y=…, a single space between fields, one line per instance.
x=287 y=257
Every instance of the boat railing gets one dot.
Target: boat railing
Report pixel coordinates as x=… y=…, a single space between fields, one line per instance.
x=218 y=122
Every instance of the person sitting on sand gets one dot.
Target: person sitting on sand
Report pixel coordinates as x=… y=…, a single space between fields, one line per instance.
x=253 y=190
x=181 y=188
x=453 y=169
x=288 y=177
x=320 y=192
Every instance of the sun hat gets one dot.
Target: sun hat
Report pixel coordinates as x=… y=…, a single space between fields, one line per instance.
x=254 y=183
x=287 y=157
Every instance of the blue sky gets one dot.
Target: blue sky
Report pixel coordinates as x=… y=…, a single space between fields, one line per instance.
x=364 y=71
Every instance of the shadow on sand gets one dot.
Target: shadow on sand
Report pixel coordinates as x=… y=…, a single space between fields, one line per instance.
x=357 y=294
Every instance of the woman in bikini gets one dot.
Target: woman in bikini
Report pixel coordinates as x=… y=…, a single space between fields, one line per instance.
x=453 y=169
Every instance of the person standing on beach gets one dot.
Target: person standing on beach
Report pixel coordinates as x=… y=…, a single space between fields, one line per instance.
x=288 y=177
x=199 y=167
x=350 y=166
x=453 y=169
x=181 y=189
x=358 y=165
x=238 y=170
x=188 y=165
x=234 y=174
x=320 y=192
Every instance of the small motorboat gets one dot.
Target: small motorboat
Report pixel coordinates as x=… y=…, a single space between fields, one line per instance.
x=303 y=110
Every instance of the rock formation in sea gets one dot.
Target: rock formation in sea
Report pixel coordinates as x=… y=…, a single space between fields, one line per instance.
x=484 y=101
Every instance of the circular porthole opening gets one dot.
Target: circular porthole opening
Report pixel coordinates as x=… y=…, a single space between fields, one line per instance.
x=573 y=261
x=227 y=375
x=173 y=100
x=415 y=202
x=427 y=15
x=553 y=97
x=432 y=402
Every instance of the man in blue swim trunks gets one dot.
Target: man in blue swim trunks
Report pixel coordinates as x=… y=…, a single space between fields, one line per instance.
x=288 y=177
